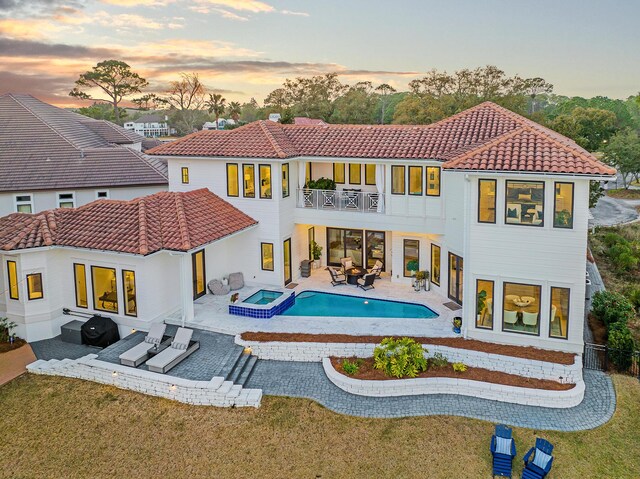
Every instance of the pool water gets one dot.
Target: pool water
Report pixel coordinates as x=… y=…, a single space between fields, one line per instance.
x=314 y=303
x=263 y=297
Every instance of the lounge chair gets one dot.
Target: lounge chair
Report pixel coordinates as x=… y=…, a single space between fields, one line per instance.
x=337 y=277
x=236 y=281
x=181 y=347
x=538 y=461
x=216 y=287
x=366 y=282
x=138 y=354
x=503 y=449
x=377 y=268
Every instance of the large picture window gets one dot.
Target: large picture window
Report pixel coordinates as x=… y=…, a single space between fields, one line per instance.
x=415 y=180
x=355 y=173
x=563 y=205
x=344 y=243
x=410 y=257
x=80 y=280
x=435 y=264
x=265 y=181
x=12 y=276
x=525 y=203
x=129 y=284
x=285 y=180
x=233 y=188
x=484 y=304
x=369 y=174
x=34 y=286
x=433 y=181
x=338 y=172
x=559 y=317
x=267 y=256
x=105 y=289
x=249 y=181
x=521 y=308
x=486 y=201
x=397 y=180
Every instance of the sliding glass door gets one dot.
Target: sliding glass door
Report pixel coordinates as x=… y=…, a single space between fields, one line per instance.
x=287 y=261
x=375 y=248
x=342 y=243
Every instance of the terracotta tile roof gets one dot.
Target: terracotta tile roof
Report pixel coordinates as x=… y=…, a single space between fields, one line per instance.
x=303 y=120
x=43 y=147
x=453 y=141
x=162 y=221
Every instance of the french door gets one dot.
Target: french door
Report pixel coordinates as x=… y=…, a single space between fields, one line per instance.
x=455 y=278
x=311 y=237
x=287 y=260
x=199 y=275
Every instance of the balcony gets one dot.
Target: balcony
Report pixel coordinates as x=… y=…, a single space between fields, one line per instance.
x=341 y=200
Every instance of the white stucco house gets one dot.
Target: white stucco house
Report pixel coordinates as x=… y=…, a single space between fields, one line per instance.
x=492 y=205
x=55 y=158
x=152 y=125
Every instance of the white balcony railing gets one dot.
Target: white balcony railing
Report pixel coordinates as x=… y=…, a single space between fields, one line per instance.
x=343 y=200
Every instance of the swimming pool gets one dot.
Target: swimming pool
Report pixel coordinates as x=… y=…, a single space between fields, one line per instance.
x=263 y=296
x=315 y=303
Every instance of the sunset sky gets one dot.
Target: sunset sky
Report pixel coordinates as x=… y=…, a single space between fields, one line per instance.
x=246 y=48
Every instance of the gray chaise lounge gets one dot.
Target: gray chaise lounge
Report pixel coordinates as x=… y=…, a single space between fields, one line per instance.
x=181 y=347
x=138 y=354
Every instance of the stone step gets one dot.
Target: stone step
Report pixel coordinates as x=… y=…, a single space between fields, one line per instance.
x=230 y=362
x=239 y=368
x=225 y=387
x=247 y=371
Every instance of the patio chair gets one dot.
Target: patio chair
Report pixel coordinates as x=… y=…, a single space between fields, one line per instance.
x=138 y=354
x=538 y=461
x=218 y=288
x=181 y=347
x=236 y=281
x=503 y=449
x=347 y=263
x=377 y=268
x=366 y=282
x=337 y=277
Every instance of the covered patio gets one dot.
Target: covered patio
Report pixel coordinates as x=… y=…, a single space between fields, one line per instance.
x=211 y=312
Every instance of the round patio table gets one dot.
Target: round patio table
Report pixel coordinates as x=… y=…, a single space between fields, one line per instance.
x=353 y=274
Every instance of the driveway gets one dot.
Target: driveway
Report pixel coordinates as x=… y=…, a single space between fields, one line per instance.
x=612 y=211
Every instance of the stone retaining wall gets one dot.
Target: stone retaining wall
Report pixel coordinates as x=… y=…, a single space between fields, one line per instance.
x=216 y=392
x=316 y=352
x=464 y=387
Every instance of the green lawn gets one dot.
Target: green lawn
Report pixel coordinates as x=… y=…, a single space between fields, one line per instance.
x=65 y=428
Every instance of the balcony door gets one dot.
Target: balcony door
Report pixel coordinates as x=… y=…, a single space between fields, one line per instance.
x=455 y=277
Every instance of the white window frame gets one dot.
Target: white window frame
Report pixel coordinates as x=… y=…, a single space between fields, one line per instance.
x=103 y=197
x=17 y=202
x=59 y=200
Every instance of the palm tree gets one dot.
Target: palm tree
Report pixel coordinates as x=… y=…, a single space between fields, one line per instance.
x=216 y=104
x=234 y=110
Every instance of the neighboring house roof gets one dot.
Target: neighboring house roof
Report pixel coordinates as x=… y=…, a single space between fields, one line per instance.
x=303 y=120
x=486 y=137
x=163 y=221
x=43 y=147
x=149 y=143
x=150 y=118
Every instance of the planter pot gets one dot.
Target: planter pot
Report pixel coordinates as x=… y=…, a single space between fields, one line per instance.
x=457 y=329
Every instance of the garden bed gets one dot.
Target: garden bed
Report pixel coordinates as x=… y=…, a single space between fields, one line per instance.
x=18 y=343
x=368 y=372
x=524 y=352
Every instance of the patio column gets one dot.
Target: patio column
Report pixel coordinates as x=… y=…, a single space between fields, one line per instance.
x=186 y=288
x=380 y=187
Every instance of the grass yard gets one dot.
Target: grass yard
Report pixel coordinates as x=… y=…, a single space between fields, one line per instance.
x=624 y=194
x=65 y=428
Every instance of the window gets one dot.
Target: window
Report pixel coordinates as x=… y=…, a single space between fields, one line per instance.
x=233 y=188
x=249 y=184
x=184 y=172
x=559 y=317
x=369 y=174
x=521 y=308
x=411 y=257
x=24 y=203
x=415 y=180
x=34 y=286
x=484 y=304
x=102 y=195
x=267 y=256
x=563 y=205
x=66 y=200
x=129 y=285
x=308 y=172
x=285 y=180
x=435 y=264
x=12 y=273
x=80 y=280
x=105 y=289
x=265 y=181
x=486 y=201
x=397 y=180
x=338 y=172
x=524 y=203
x=433 y=181
x=355 y=173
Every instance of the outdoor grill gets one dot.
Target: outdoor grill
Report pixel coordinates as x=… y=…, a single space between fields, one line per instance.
x=100 y=331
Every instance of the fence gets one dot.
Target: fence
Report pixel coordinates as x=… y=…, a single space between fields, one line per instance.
x=603 y=358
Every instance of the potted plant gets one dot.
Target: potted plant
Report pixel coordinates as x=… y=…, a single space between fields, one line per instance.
x=316 y=253
x=563 y=218
x=413 y=266
x=481 y=303
x=457 y=324
x=321 y=184
x=419 y=280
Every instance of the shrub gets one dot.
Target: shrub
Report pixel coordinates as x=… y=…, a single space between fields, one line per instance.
x=6 y=328
x=611 y=239
x=621 y=346
x=633 y=295
x=351 y=367
x=400 y=357
x=459 y=367
x=611 y=307
x=438 y=360
x=623 y=257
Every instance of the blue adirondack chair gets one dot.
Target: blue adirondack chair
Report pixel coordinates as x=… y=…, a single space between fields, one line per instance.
x=503 y=448
x=537 y=462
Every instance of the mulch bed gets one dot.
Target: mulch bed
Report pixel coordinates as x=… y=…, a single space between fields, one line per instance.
x=525 y=352
x=368 y=372
x=598 y=329
x=18 y=343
